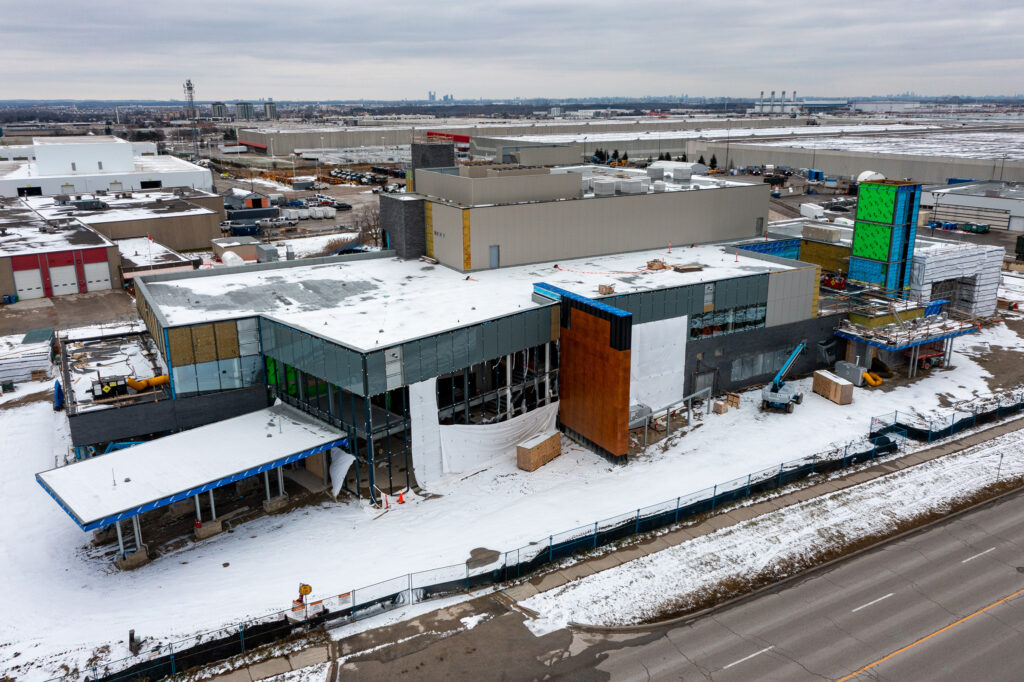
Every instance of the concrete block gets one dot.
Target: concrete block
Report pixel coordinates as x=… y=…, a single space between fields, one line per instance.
x=181 y=508
x=133 y=560
x=208 y=529
x=265 y=669
x=275 y=504
x=104 y=535
x=308 y=657
x=549 y=581
x=240 y=675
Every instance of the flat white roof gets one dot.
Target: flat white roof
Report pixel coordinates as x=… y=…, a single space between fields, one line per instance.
x=141 y=205
x=138 y=252
x=380 y=302
x=15 y=170
x=99 y=491
x=78 y=139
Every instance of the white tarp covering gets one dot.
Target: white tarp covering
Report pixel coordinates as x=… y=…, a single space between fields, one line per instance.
x=426 y=433
x=341 y=462
x=657 y=371
x=467 y=447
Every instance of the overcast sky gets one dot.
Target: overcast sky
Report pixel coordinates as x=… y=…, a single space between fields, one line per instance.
x=394 y=49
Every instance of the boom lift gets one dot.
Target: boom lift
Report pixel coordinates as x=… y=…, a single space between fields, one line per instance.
x=778 y=394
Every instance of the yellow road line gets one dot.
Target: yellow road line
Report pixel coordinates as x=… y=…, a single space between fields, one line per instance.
x=927 y=637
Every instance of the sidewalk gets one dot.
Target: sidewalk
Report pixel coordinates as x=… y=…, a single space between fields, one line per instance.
x=447 y=621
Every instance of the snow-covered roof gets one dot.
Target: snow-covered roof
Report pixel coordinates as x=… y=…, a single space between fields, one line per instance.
x=141 y=252
x=143 y=164
x=137 y=205
x=78 y=139
x=97 y=492
x=737 y=135
x=372 y=303
x=26 y=232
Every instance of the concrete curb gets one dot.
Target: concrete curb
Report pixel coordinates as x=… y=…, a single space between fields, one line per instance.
x=785 y=582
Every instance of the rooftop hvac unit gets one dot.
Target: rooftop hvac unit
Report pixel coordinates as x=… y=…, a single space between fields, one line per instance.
x=604 y=187
x=682 y=174
x=632 y=186
x=656 y=173
x=659 y=186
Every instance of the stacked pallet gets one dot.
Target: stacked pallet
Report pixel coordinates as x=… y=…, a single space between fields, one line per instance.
x=535 y=452
x=25 y=362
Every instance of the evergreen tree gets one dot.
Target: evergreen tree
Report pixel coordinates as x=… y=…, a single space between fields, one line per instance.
x=615 y=155
x=625 y=156
x=714 y=163
x=701 y=159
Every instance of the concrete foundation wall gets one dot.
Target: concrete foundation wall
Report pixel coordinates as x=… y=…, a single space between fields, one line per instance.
x=718 y=354
x=130 y=422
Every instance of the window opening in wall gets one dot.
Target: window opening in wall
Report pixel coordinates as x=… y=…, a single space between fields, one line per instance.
x=100 y=164
x=73 y=167
x=151 y=184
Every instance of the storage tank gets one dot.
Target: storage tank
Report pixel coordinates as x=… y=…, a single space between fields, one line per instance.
x=604 y=187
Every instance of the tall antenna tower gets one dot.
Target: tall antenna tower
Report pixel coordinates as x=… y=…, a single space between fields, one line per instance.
x=193 y=114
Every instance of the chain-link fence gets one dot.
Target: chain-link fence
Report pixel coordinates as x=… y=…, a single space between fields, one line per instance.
x=169 y=659
x=957 y=419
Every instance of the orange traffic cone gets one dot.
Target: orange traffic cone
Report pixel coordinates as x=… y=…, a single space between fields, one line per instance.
x=401 y=500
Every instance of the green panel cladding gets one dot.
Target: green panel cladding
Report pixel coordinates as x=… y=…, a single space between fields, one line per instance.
x=872 y=241
x=876 y=203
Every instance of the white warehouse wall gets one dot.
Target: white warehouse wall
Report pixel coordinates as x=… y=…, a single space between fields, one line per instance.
x=63 y=155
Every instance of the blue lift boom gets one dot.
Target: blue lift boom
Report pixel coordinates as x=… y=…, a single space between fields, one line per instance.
x=779 y=395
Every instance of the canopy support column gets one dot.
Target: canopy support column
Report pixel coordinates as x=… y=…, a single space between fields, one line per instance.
x=120 y=539
x=199 y=514
x=213 y=509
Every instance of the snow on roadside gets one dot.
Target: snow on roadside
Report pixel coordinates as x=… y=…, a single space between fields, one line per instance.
x=640 y=589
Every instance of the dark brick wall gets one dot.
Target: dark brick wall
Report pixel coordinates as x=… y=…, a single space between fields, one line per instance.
x=405 y=224
x=433 y=155
x=718 y=353
x=130 y=422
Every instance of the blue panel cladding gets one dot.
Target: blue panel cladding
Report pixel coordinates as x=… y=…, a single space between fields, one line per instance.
x=783 y=248
x=867 y=271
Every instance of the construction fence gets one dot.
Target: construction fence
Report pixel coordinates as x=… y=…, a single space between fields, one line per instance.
x=165 y=660
x=964 y=416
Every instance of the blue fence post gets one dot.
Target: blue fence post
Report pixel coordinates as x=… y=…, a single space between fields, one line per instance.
x=636 y=524
x=519 y=564
x=551 y=548
x=780 y=476
x=748 y=484
x=241 y=636
x=813 y=460
x=173 y=667
x=677 y=510
x=714 y=494
x=595 y=534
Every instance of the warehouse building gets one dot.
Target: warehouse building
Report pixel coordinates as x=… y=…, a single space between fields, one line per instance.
x=180 y=218
x=42 y=257
x=1000 y=205
x=91 y=163
x=494 y=215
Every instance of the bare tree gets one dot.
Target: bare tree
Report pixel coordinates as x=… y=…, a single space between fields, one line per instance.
x=368 y=224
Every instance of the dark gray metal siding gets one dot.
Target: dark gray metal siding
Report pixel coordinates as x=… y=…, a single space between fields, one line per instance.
x=339 y=365
x=664 y=304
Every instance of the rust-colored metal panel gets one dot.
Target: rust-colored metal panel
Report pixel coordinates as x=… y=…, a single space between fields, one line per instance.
x=594 y=383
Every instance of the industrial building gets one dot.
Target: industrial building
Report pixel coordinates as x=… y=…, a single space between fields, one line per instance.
x=91 y=163
x=181 y=218
x=389 y=371
x=41 y=257
x=487 y=216
x=1000 y=205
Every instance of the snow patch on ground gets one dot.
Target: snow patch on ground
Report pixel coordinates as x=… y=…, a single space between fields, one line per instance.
x=70 y=600
x=641 y=589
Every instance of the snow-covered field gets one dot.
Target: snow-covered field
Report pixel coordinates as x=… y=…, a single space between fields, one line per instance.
x=306 y=247
x=68 y=602
x=641 y=589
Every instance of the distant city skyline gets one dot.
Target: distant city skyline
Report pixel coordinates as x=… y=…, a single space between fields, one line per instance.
x=321 y=50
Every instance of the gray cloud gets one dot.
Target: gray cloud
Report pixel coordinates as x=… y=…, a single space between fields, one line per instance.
x=322 y=49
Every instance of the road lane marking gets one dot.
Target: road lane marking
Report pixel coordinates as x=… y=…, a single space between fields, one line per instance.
x=864 y=606
x=756 y=653
x=990 y=549
x=952 y=625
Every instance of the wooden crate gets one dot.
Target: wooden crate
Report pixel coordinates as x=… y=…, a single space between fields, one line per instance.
x=833 y=387
x=535 y=452
x=733 y=399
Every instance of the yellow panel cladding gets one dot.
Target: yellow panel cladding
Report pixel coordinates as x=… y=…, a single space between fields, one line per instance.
x=815 y=288
x=467 y=260
x=428 y=215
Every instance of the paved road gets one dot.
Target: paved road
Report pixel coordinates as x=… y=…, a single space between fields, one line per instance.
x=912 y=610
